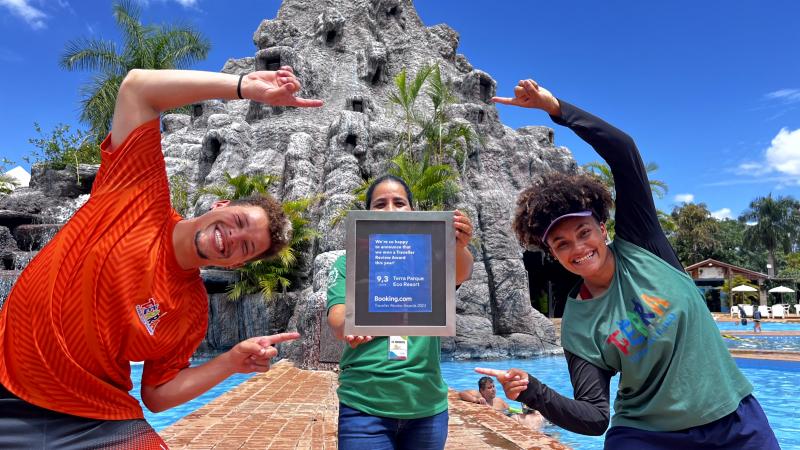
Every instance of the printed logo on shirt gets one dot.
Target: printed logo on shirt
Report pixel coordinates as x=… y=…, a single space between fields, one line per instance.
x=647 y=321
x=149 y=313
x=333 y=275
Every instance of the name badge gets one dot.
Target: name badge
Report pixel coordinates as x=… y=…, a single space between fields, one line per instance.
x=398 y=348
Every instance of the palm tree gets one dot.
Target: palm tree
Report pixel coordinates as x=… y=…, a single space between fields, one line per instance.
x=405 y=96
x=777 y=226
x=442 y=137
x=144 y=47
x=433 y=186
x=7 y=183
x=602 y=172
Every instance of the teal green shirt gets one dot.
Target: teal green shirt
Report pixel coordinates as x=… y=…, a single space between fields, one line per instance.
x=371 y=383
x=652 y=326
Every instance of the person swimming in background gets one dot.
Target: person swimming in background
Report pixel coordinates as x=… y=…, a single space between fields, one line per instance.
x=487 y=395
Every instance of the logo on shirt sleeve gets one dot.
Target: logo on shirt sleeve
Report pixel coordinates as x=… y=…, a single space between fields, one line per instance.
x=333 y=275
x=149 y=314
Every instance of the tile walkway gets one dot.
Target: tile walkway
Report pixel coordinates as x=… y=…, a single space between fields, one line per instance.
x=289 y=408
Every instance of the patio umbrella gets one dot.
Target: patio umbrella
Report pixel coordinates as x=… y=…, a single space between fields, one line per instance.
x=780 y=290
x=743 y=288
x=746 y=288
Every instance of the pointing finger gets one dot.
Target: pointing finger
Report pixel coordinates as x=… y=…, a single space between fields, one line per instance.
x=282 y=337
x=501 y=375
x=503 y=100
x=306 y=102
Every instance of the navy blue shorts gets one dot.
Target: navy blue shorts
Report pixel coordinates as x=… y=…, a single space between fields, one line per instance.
x=744 y=429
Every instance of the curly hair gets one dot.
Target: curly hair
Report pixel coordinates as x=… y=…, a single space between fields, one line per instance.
x=558 y=194
x=279 y=228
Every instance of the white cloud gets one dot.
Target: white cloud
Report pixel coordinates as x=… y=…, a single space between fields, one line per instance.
x=684 y=198
x=23 y=9
x=722 y=214
x=783 y=154
x=787 y=95
x=184 y=3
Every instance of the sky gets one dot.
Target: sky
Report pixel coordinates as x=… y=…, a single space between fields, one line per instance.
x=709 y=90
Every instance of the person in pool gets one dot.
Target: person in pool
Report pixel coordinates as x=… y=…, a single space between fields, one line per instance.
x=635 y=313
x=487 y=395
x=389 y=403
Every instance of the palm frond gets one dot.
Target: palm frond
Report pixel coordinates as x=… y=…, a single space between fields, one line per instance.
x=99 y=100
x=182 y=48
x=92 y=54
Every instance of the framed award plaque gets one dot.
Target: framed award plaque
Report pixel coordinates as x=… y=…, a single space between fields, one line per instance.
x=400 y=274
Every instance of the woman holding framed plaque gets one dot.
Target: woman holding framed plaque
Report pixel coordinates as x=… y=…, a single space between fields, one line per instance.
x=391 y=391
x=636 y=312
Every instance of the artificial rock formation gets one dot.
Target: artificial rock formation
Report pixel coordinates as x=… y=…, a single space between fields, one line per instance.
x=347 y=53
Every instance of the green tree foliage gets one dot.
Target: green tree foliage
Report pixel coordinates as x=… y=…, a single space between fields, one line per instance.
x=431 y=148
x=602 y=172
x=442 y=137
x=279 y=273
x=179 y=194
x=739 y=297
x=7 y=182
x=776 y=226
x=791 y=267
x=63 y=147
x=695 y=236
x=433 y=186
x=143 y=47
x=732 y=251
x=430 y=175
x=405 y=96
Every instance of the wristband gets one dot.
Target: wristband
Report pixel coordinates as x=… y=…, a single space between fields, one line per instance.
x=239 y=87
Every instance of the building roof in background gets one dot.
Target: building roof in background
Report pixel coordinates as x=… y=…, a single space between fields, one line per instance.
x=714 y=263
x=21 y=175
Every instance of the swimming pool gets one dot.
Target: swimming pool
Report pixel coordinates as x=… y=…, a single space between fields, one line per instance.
x=765 y=326
x=750 y=342
x=775 y=384
x=162 y=420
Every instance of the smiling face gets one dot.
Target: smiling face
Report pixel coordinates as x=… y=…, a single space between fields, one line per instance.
x=389 y=196
x=230 y=235
x=579 y=244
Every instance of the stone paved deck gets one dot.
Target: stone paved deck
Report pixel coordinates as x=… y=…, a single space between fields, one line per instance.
x=289 y=408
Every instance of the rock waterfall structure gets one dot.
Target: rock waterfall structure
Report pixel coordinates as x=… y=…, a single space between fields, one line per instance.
x=347 y=54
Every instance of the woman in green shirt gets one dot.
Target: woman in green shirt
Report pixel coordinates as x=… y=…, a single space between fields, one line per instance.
x=635 y=313
x=392 y=404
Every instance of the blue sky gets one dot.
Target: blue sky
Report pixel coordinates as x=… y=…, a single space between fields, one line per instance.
x=710 y=90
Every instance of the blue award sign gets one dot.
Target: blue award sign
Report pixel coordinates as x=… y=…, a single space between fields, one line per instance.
x=400 y=273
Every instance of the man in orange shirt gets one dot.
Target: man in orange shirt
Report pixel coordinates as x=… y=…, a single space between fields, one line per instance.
x=120 y=282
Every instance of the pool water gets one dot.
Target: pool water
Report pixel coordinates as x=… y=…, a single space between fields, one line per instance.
x=749 y=342
x=775 y=384
x=162 y=420
x=765 y=326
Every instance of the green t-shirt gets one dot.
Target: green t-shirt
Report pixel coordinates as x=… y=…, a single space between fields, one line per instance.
x=371 y=383
x=652 y=326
